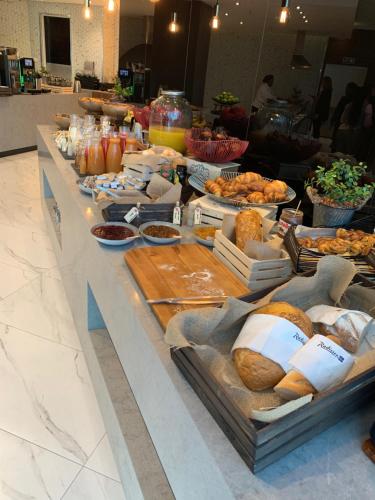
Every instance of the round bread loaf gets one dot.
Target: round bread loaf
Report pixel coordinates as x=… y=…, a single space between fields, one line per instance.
x=257 y=372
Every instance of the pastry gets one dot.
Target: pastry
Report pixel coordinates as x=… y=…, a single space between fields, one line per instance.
x=256 y=197
x=276 y=186
x=275 y=197
x=213 y=187
x=248 y=227
x=306 y=242
x=220 y=181
x=294 y=385
x=249 y=177
x=258 y=185
x=256 y=371
x=348 y=326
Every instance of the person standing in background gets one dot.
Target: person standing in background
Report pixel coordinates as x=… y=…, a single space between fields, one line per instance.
x=367 y=132
x=336 y=120
x=264 y=94
x=322 y=106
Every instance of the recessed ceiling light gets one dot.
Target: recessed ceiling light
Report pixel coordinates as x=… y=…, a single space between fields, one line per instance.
x=298 y=7
x=226 y=14
x=301 y=12
x=241 y=22
x=306 y=21
x=237 y=3
x=303 y=17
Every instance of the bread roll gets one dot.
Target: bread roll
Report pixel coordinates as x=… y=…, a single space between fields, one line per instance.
x=248 y=227
x=257 y=372
x=294 y=385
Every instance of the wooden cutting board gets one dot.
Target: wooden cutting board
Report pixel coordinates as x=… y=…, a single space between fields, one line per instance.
x=180 y=271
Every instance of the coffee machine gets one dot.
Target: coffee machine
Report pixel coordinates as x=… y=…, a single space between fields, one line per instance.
x=27 y=71
x=9 y=71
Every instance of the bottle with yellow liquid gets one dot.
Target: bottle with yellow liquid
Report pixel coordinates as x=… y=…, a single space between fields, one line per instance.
x=171 y=117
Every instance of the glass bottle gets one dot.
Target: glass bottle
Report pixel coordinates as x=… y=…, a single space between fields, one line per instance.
x=170 y=117
x=114 y=155
x=95 y=157
x=131 y=142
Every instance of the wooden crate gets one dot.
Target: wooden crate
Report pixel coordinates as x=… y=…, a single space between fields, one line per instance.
x=256 y=274
x=260 y=444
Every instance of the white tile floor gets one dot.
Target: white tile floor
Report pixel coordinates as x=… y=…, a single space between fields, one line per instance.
x=52 y=438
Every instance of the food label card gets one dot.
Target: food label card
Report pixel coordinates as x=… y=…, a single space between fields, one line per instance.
x=322 y=362
x=273 y=337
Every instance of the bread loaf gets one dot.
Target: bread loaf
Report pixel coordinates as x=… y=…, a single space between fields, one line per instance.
x=294 y=385
x=257 y=372
x=248 y=227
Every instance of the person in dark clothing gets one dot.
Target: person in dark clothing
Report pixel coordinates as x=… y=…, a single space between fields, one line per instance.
x=350 y=93
x=367 y=132
x=322 y=106
x=369 y=446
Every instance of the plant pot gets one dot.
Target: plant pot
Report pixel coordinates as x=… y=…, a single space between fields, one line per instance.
x=325 y=215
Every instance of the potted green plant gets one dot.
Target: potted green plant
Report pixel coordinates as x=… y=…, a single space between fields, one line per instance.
x=121 y=94
x=337 y=192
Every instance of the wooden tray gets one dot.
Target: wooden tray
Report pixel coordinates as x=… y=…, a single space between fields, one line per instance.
x=261 y=444
x=180 y=271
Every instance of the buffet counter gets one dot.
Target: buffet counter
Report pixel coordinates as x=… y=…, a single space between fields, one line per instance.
x=21 y=113
x=165 y=442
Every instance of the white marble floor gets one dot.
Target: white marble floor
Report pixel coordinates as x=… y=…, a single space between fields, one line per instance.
x=53 y=443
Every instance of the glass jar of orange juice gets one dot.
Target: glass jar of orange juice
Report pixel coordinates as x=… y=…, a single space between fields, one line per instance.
x=95 y=157
x=114 y=154
x=170 y=117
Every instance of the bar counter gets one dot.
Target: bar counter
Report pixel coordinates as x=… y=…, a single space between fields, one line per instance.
x=20 y=114
x=165 y=442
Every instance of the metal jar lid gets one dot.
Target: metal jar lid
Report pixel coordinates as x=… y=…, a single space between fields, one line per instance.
x=173 y=93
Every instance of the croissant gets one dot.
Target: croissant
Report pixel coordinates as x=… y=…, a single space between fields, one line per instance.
x=256 y=197
x=228 y=194
x=275 y=197
x=258 y=185
x=306 y=242
x=240 y=188
x=276 y=186
x=220 y=181
x=249 y=177
x=356 y=249
x=213 y=188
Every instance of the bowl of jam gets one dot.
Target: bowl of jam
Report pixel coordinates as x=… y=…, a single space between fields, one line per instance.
x=160 y=232
x=114 y=233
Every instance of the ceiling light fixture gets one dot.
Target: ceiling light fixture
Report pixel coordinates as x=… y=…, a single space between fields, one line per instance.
x=215 y=21
x=87 y=10
x=154 y=1
x=226 y=14
x=237 y=3
x=298 y=7
x=306 y=21
x=173 y=25
x=241 y=22
x=284 y=12
x=111 y=5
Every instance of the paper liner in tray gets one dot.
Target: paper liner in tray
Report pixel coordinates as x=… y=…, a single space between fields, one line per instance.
x=211 y=332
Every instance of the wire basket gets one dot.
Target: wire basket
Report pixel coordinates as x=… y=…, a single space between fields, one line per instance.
x=305 y=260
x=216 y=151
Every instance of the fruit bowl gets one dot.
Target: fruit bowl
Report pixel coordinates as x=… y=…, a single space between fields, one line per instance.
x=62 y=121
x=91 y=104
x=216 y=151
x=117 y=111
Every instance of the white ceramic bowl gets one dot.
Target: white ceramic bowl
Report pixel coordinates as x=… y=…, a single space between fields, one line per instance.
x=116 y=243
x=207 y=243
x=160 y=241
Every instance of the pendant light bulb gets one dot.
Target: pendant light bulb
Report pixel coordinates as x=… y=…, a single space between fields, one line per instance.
x=173 y=25
x=215 y=21
x=111 y=5
x=154 y=1
x=284 y=12
x=87 y=10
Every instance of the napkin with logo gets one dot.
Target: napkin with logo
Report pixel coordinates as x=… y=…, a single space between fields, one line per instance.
x=211 y=332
